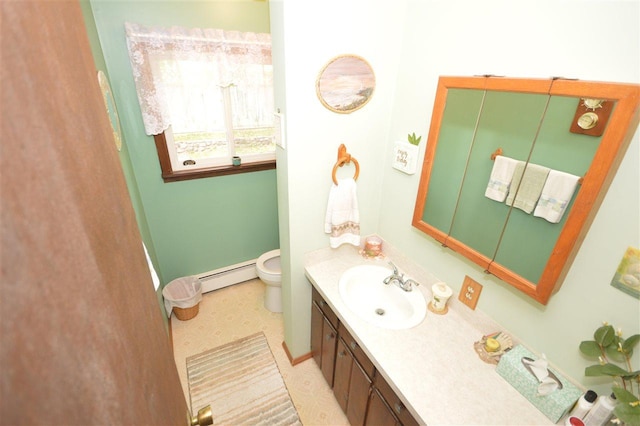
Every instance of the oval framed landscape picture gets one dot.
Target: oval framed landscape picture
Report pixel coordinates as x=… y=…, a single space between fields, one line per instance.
x=346 y=84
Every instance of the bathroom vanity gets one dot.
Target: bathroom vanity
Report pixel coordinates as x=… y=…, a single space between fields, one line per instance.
x=428 y=374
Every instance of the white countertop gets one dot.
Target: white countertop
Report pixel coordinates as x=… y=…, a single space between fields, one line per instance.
x=433 y=367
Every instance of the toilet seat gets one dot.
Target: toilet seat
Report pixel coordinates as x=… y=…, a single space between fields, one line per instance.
x=269 y=268
x=270 y=272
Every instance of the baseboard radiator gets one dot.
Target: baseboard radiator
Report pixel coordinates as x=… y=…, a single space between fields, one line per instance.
x=229 y=275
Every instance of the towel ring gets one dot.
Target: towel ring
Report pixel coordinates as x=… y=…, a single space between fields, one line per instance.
x=344 y=158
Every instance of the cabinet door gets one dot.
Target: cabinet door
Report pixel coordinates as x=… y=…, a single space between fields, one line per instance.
x=355 y=349
x=342 y=376
x=379 y=413
x=317 y=322
x=359 y=387
x=329 y=340
x=393 y=401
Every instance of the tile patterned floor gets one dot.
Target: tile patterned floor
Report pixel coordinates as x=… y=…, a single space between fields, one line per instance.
x=237 y=311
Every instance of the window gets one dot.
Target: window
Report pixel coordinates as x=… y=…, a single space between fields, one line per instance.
x=206 y=96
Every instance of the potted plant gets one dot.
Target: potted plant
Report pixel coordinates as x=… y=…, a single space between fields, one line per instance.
x=612 y=350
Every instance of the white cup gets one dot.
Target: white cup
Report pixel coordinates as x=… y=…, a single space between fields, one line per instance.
x=441 y=294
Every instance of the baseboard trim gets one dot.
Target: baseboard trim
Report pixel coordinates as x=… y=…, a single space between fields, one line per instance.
x=228 y=275
x=296 y=360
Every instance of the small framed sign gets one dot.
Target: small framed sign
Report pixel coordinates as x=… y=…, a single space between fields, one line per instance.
x=627 y=276
x=405 y=157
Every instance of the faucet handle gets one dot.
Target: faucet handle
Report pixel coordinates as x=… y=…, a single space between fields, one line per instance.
x=408 y=283
x=395 y=268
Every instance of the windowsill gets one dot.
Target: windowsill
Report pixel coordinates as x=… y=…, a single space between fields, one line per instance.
x=218 y=171
x=169 y=175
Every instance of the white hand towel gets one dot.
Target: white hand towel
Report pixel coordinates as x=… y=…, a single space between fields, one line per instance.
x=500 y=179
x=556 y=195
x=342 y=221
x=528 y=186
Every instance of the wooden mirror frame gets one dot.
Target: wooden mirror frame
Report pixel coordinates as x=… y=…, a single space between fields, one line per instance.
x=617 y=136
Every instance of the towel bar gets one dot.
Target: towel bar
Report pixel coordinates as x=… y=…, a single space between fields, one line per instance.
x=499 y=152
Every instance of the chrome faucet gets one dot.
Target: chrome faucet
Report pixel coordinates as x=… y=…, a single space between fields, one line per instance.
x=395 y=276
x=398 y=278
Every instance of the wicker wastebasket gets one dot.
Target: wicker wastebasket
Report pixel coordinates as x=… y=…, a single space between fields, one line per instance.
x=183 y=296
x=184 y=314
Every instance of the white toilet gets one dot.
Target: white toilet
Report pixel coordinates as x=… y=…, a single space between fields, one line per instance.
x=270 y=272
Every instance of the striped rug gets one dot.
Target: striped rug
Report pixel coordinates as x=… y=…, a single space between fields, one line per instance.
x=242 y=383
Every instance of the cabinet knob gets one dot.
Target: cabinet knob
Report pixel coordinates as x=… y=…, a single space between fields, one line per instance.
x=330 y=336
x=353 y=345
x=342 y=354
x=398 y=407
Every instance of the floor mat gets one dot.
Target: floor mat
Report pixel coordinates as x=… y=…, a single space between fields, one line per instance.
x=242 y=383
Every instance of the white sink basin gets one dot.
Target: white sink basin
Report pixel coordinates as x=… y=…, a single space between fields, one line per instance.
x=385 y=306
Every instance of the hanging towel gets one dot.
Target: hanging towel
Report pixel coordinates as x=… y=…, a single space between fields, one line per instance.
x=528 y=185
x=342 y=221
x=556 y=195
x=500 y=179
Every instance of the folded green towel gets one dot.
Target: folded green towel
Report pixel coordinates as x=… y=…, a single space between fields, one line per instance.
x=528 y=183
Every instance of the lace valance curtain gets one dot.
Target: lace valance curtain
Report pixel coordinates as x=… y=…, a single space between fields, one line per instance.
x=231 y=56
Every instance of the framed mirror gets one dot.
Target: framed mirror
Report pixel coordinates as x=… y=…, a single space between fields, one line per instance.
x=529 y=123
x=345 y=84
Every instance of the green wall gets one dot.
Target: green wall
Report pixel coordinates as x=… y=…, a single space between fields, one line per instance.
x=199 y=225
x=125 y=159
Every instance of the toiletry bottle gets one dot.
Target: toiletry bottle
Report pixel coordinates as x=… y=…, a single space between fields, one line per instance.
x=573 y=421
x=601 y=411
x=584 y=404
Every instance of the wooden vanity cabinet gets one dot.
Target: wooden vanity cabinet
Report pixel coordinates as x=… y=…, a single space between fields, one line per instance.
x=394 y=403
x=351 y=386
x=379 y=412
x=342 y=375
x=359 y=388
x=353 y=377
x=362 y=393
x=324 y=336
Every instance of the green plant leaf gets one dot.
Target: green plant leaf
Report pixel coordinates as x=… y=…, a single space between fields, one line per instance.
x=631 y=375
x=628 y=414
x=590 y=348
x=605 y=335
x=623 y=395
x=613 y=353
x=630 y=343
x=605 y=370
